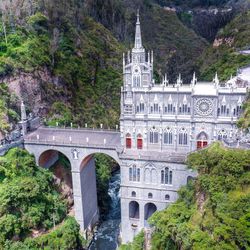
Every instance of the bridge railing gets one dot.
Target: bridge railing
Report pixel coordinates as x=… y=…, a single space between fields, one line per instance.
x=78 y=143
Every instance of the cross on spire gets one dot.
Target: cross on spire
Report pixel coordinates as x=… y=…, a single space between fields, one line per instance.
x=138 y=40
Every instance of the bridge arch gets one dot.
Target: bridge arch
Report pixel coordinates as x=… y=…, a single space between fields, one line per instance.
x=49 y=157
x=149 y=209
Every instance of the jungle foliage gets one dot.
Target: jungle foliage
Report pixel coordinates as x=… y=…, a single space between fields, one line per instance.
x=7 y=109
x=28 y=197
x=65 y=237
x=212 y=212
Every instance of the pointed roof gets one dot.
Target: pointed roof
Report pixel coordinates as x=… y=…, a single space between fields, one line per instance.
x=23 y=112
x=156 y=98
x=185 y=99
x=141 y=99
x=224 y=100
x=170 y=99
x=216 y=79
x=138 y=40
x=239 y=101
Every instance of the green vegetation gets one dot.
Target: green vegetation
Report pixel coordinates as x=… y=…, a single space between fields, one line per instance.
x=104 y=167
x=244 y=121
x=224 y=56
x=212 y=212
x=28 y=198
x=137 y=244
x=86 y=63
x=7 y=106
x=64 y=237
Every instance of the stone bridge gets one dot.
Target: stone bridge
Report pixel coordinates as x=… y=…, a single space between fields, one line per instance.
x=78 y=145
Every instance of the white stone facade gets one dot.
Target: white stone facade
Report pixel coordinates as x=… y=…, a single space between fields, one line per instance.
x=160 y=124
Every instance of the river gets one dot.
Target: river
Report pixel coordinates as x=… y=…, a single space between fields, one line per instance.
x=107 y=234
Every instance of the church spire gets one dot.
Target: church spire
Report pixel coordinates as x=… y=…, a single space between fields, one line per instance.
x=138 y=40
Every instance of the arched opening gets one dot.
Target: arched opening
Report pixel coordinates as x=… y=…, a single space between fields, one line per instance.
x=100 y=186
x=133 y=194
x=134 y=210
x=150 y=195
x=128 y=141
x=149 y=209
x=167 y=197
x=202 y=140
x=139 y=141
x=59 y=164
x=189 y=179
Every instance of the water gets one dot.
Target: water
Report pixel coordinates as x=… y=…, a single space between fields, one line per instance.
x=107 y=235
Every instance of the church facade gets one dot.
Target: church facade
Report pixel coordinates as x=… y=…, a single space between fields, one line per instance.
x=160 y=124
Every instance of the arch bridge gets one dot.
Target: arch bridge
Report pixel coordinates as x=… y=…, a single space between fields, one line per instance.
x=78 y=145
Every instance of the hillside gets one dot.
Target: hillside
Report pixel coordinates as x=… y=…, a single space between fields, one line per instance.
x=224 y=54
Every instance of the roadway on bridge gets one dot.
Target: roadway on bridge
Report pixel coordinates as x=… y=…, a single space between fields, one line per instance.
x=81 y=137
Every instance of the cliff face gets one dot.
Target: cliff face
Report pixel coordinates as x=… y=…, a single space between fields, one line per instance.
x=64 y=57
x=224 y=54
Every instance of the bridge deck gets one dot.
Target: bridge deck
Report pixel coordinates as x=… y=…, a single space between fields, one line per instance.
x=80 y=137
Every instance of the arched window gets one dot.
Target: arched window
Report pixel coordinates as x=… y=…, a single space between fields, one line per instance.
x=184 y=108
x=139 y=141
x=223 y=109
x=222 y=134
x=170 y=108
x=189 y=179
x=153 y=136
x=128 y=141
x=150 y=195
x=167 y=197
x=134 y=173
x=166 y=176
x=168 y=137
x=137 y=81
x=156 y=108
x=238 y=110
x=141 y=109
x=134 y=210
x=202 y=140
x=149 y=209
x=183 y=137
x=133 y=194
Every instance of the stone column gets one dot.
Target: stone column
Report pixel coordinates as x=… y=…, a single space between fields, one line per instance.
x=77 y=192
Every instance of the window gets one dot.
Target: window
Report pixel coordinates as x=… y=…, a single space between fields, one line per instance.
x=134 y=173
x=137 y=81
x=150 y=195
x=141 y=107
x=184 y=108
x=134 y=210
x=238 y=110
x=153 y=137
x=128 y=141
x=183 y=137
x=167 y=197
x=133 y=194
x=222 y=135
x=202 y=140
x=170 y=108
x=168 y=137
x=139 y=141
x=166 y=176
x=156 y=108
x=223 y=109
